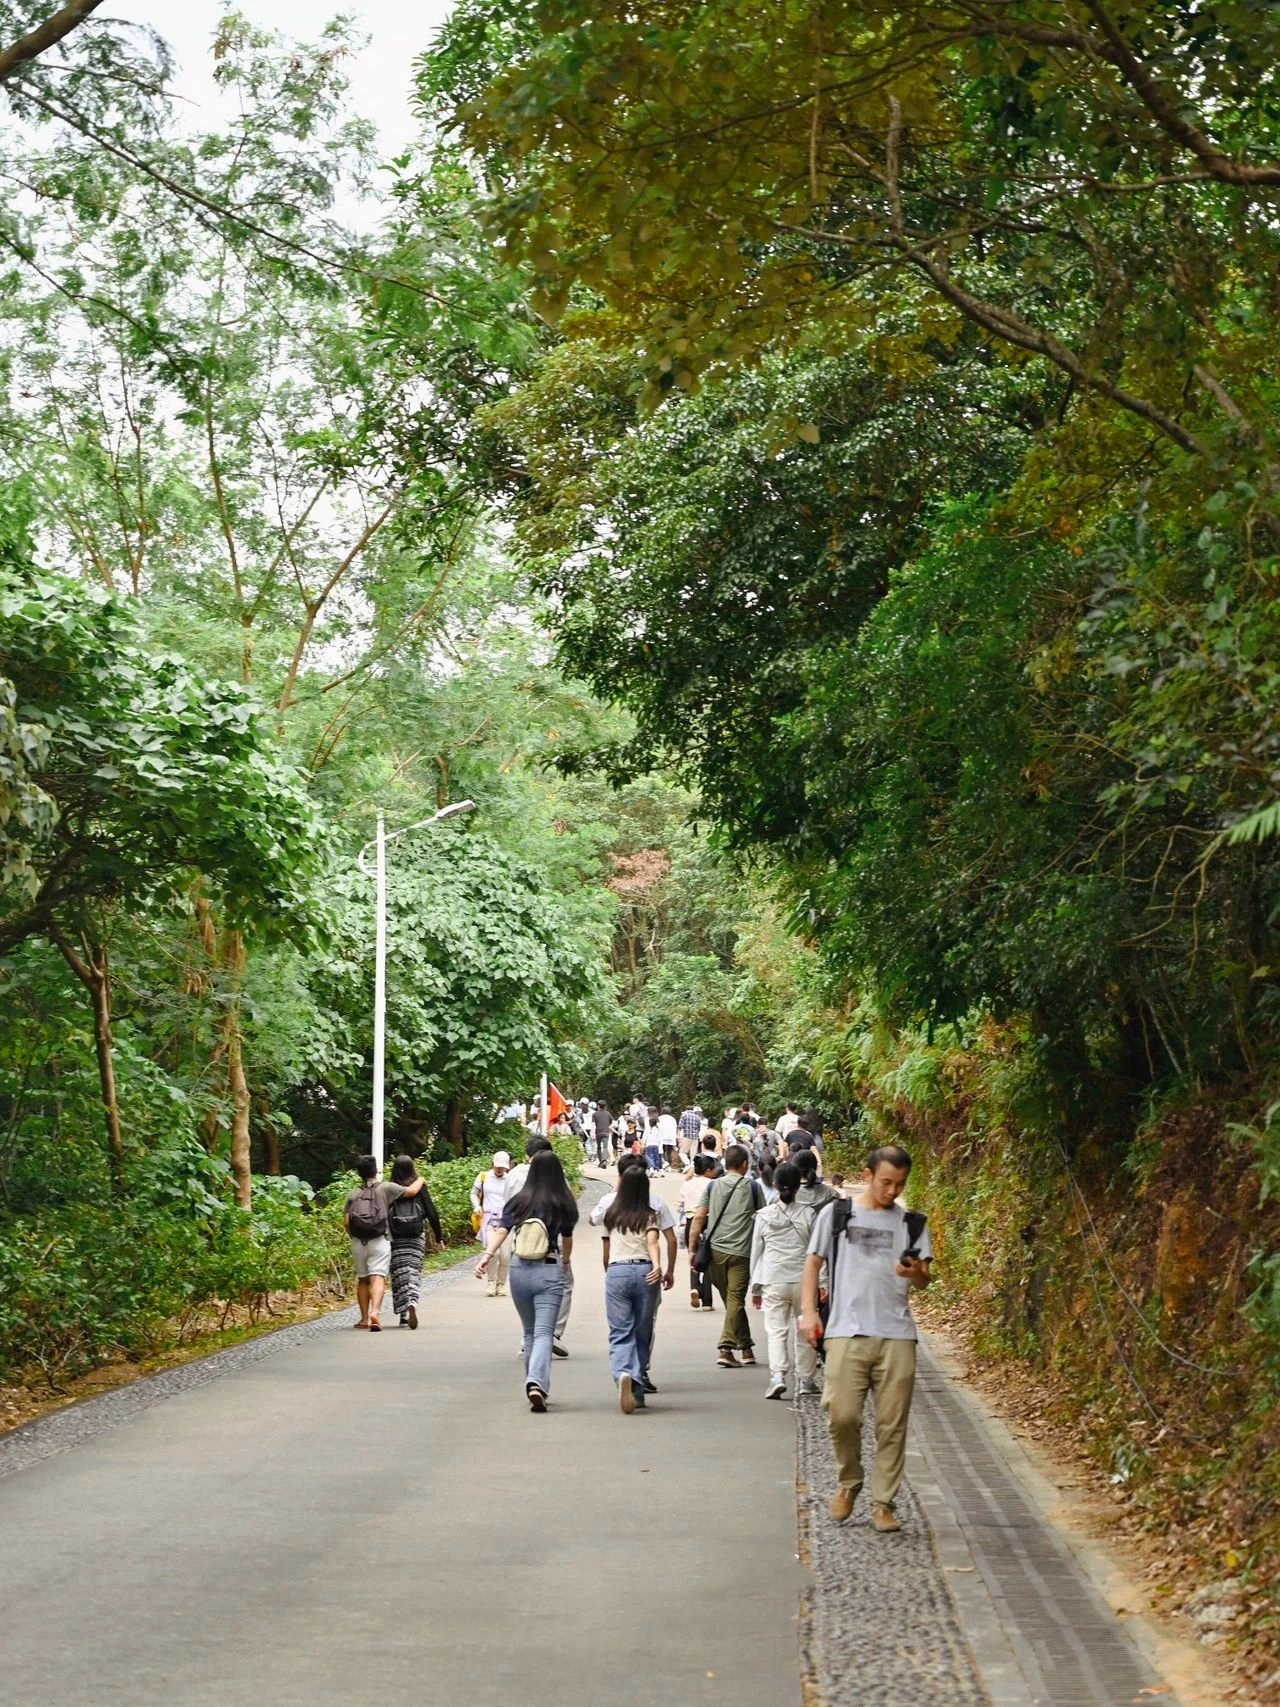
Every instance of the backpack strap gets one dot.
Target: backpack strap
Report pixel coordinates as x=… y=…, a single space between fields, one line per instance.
x=725 y=1205
x=841 y=1210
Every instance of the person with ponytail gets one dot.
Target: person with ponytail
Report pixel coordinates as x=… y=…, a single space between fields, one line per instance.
x=779 y=1243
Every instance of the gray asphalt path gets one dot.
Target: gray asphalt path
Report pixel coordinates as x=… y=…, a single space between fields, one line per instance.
x=369 y=1519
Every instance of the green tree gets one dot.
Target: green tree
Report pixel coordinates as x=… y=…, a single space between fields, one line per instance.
x=1084 y=184
x=490 y=982
x=154 y=777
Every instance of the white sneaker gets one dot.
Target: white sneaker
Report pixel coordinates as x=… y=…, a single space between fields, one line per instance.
x=777 y=1388
x=808 y=1389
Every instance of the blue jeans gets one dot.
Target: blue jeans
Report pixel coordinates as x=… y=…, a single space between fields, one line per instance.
x=536 y=1291
x=626 y=1301
x=650 y=1326
x=653 y=1157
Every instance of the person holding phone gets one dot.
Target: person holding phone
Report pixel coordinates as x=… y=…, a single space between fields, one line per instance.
x=875 y=1252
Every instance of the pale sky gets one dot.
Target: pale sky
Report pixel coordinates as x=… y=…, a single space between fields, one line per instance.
x=398 y=29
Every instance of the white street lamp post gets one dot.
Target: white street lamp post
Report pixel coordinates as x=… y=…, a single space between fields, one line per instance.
x=380 y=955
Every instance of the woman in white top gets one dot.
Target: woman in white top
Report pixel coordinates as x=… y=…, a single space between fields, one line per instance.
x=630 y=1270
x=488 y=1200
x=779 y=1244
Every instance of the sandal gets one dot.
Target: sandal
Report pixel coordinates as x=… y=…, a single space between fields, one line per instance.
x=537 y=1399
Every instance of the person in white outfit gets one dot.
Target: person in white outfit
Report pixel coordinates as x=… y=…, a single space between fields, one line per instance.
x=779 y=1243
x=488 y=1200
x=668 y=1137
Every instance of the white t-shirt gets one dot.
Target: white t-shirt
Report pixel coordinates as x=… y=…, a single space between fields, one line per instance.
x=659 y=1205
x=693 y=1194
x=640 y=1114
x=668 y=1130
x=515 y=1178
x=788 y=1123
x=868 y=1296
x=627 y=1247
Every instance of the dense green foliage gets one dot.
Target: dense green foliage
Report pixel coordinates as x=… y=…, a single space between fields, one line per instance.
x=958 y=602
x=249 y=595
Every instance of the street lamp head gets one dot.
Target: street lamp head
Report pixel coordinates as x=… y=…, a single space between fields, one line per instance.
x=457 y=809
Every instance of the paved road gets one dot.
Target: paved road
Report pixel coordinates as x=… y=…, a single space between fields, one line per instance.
x=364 y=1519
x=331 y=1517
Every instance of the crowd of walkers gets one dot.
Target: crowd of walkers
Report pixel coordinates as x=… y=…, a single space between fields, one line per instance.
x=827 y=1269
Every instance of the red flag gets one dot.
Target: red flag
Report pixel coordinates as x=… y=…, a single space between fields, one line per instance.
x=556 y=1105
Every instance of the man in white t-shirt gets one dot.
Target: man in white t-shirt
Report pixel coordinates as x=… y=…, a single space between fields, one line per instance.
x=667 y=1227
x=873 y=1262
x=790 y=1120
x=668 y=1137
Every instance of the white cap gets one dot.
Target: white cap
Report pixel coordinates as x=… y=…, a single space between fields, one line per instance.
x=501 y=1159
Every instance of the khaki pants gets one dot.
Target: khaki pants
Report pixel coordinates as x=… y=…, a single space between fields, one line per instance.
x=730 y=1276
x=566 y=1304
x=888 y=1368
x=500 y=1265
x=781 y=1304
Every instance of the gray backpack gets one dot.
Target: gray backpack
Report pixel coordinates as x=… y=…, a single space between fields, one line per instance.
x=367 y=1216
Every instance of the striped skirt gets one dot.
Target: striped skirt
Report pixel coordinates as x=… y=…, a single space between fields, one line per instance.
x=406 y=1272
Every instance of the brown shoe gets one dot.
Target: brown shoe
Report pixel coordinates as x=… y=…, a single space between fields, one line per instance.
x=748 y=1357
x=882 y=1518
x=727 y=1360
x=627 y=1395
x=840 y=1505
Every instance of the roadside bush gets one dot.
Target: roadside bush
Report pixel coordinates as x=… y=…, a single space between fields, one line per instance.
x=85 y=1284
x=80 y=1284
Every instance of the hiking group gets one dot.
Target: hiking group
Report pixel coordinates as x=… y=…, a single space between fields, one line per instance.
x=829 y=1271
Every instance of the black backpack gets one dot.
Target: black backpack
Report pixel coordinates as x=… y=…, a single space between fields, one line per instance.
x=367 y=1214
x=916 y=1224
x=408 y=1218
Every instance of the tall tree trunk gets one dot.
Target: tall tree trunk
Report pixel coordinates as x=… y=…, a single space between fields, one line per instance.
x=454 y=1117
x=233 y=957
x=271 y=1147
x=93 y=969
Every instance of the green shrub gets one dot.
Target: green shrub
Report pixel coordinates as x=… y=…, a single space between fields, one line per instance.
x=80 y=1283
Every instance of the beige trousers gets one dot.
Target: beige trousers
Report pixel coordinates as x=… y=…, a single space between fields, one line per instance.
x=781 y=1303
x=888 y=1368
x=500 y=1265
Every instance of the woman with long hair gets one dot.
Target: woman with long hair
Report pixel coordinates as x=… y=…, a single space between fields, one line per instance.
x=407 y=1222
x=539 y=1220
x=779 y=1245
x=631 y=1271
